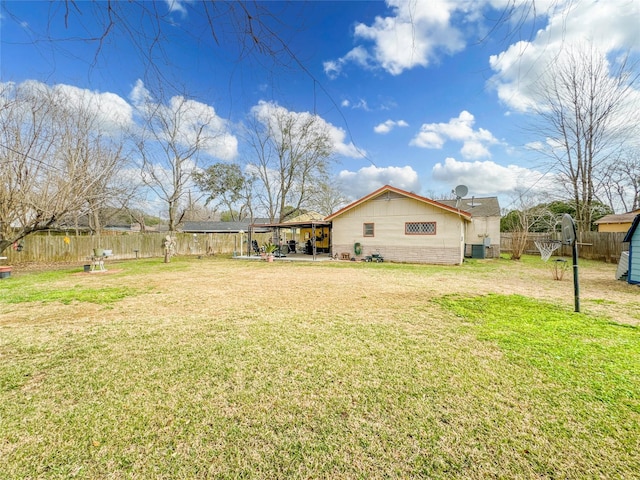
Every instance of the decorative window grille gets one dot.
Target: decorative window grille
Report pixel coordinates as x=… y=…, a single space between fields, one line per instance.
x=420 y=228
x=367 y=229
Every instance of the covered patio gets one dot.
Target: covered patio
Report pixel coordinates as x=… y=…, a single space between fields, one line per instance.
x=305 y=240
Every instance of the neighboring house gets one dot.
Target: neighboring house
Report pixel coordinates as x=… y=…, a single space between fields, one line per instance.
x=222 y=227
x=214 y=229
x=401 y=227
x=135 y=227
x=633 y=237
x=616 y=223
x=117 y=227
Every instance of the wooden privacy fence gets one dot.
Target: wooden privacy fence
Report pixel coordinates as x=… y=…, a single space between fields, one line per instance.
x=56 y=248
x=604 y=246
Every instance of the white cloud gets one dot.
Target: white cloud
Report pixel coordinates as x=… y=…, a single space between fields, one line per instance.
x=266 y=112
x=359 y=55
x=535 y=146
x=177 y=6
x=332 y=69
x=368 y=179
x=110 y=112
x=389 y=125
x=610 y=27
x=413 y=35
x=488 y=177
x=360 y=104
x=460 y=129
x=139 y=94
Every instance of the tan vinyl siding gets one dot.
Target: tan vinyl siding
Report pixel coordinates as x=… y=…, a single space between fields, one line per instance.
x=614 y=227
x=484 y=227
x=390 y=214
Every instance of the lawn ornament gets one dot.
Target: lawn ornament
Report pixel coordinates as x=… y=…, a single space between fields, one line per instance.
x=169 y=248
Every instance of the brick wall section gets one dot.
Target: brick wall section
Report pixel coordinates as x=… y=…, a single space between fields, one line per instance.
x=430 y=255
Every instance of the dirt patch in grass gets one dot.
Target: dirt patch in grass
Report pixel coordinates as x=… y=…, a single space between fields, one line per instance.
x=209 y=286
x=110 y=271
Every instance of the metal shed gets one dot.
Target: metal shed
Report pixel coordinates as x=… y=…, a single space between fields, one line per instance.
x=633 y=237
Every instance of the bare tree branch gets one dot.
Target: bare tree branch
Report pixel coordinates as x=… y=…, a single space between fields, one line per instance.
x=55 y=161
x=584 y=116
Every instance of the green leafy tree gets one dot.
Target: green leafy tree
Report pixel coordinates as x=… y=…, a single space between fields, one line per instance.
x=226 y=185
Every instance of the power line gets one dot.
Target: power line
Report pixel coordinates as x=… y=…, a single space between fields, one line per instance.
x=533 y=184
x=25 y=155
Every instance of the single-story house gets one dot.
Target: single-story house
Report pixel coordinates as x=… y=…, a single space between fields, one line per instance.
x=401 y=226
x=633 y=237
x=616 y=222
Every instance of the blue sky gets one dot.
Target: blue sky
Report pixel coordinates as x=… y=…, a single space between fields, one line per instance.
x=423 y=95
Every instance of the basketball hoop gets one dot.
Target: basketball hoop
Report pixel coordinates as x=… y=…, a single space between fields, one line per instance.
x=547 y=247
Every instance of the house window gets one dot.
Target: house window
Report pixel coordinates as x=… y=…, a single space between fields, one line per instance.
x=420 y=228
x=367 y=229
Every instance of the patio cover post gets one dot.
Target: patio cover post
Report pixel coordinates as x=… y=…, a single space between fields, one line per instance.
x=313 y=239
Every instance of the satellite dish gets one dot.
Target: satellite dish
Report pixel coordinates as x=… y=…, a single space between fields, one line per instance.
x=461 y=191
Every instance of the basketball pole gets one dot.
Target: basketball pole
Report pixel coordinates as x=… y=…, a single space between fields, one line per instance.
x=576 y=283
x=569 y=237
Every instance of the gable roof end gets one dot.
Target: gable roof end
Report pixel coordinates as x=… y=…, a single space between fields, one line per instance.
x=389 y=188
x=634 y=226
x=617 y=218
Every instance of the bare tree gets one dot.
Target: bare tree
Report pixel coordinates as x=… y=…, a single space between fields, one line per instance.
x=173 y=139
x=327 y=198
x=526 y=218
x=519 y=232
x=620 y=182
x=84 y=149
x=584 y=115
x=54 y=160
x=292 y=152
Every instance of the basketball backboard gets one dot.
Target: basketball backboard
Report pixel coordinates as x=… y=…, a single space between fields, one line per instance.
x=568 y=230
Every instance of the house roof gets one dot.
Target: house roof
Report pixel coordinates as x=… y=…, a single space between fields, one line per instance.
x=388 y=188
x=219 y=227
x=634 y=226
x=308 y=220
x=618 y=218
x=298 y=224
x=477 y=206
x=306 y=217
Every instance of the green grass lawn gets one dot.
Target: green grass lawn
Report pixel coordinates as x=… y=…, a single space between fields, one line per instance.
x=389 y=384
